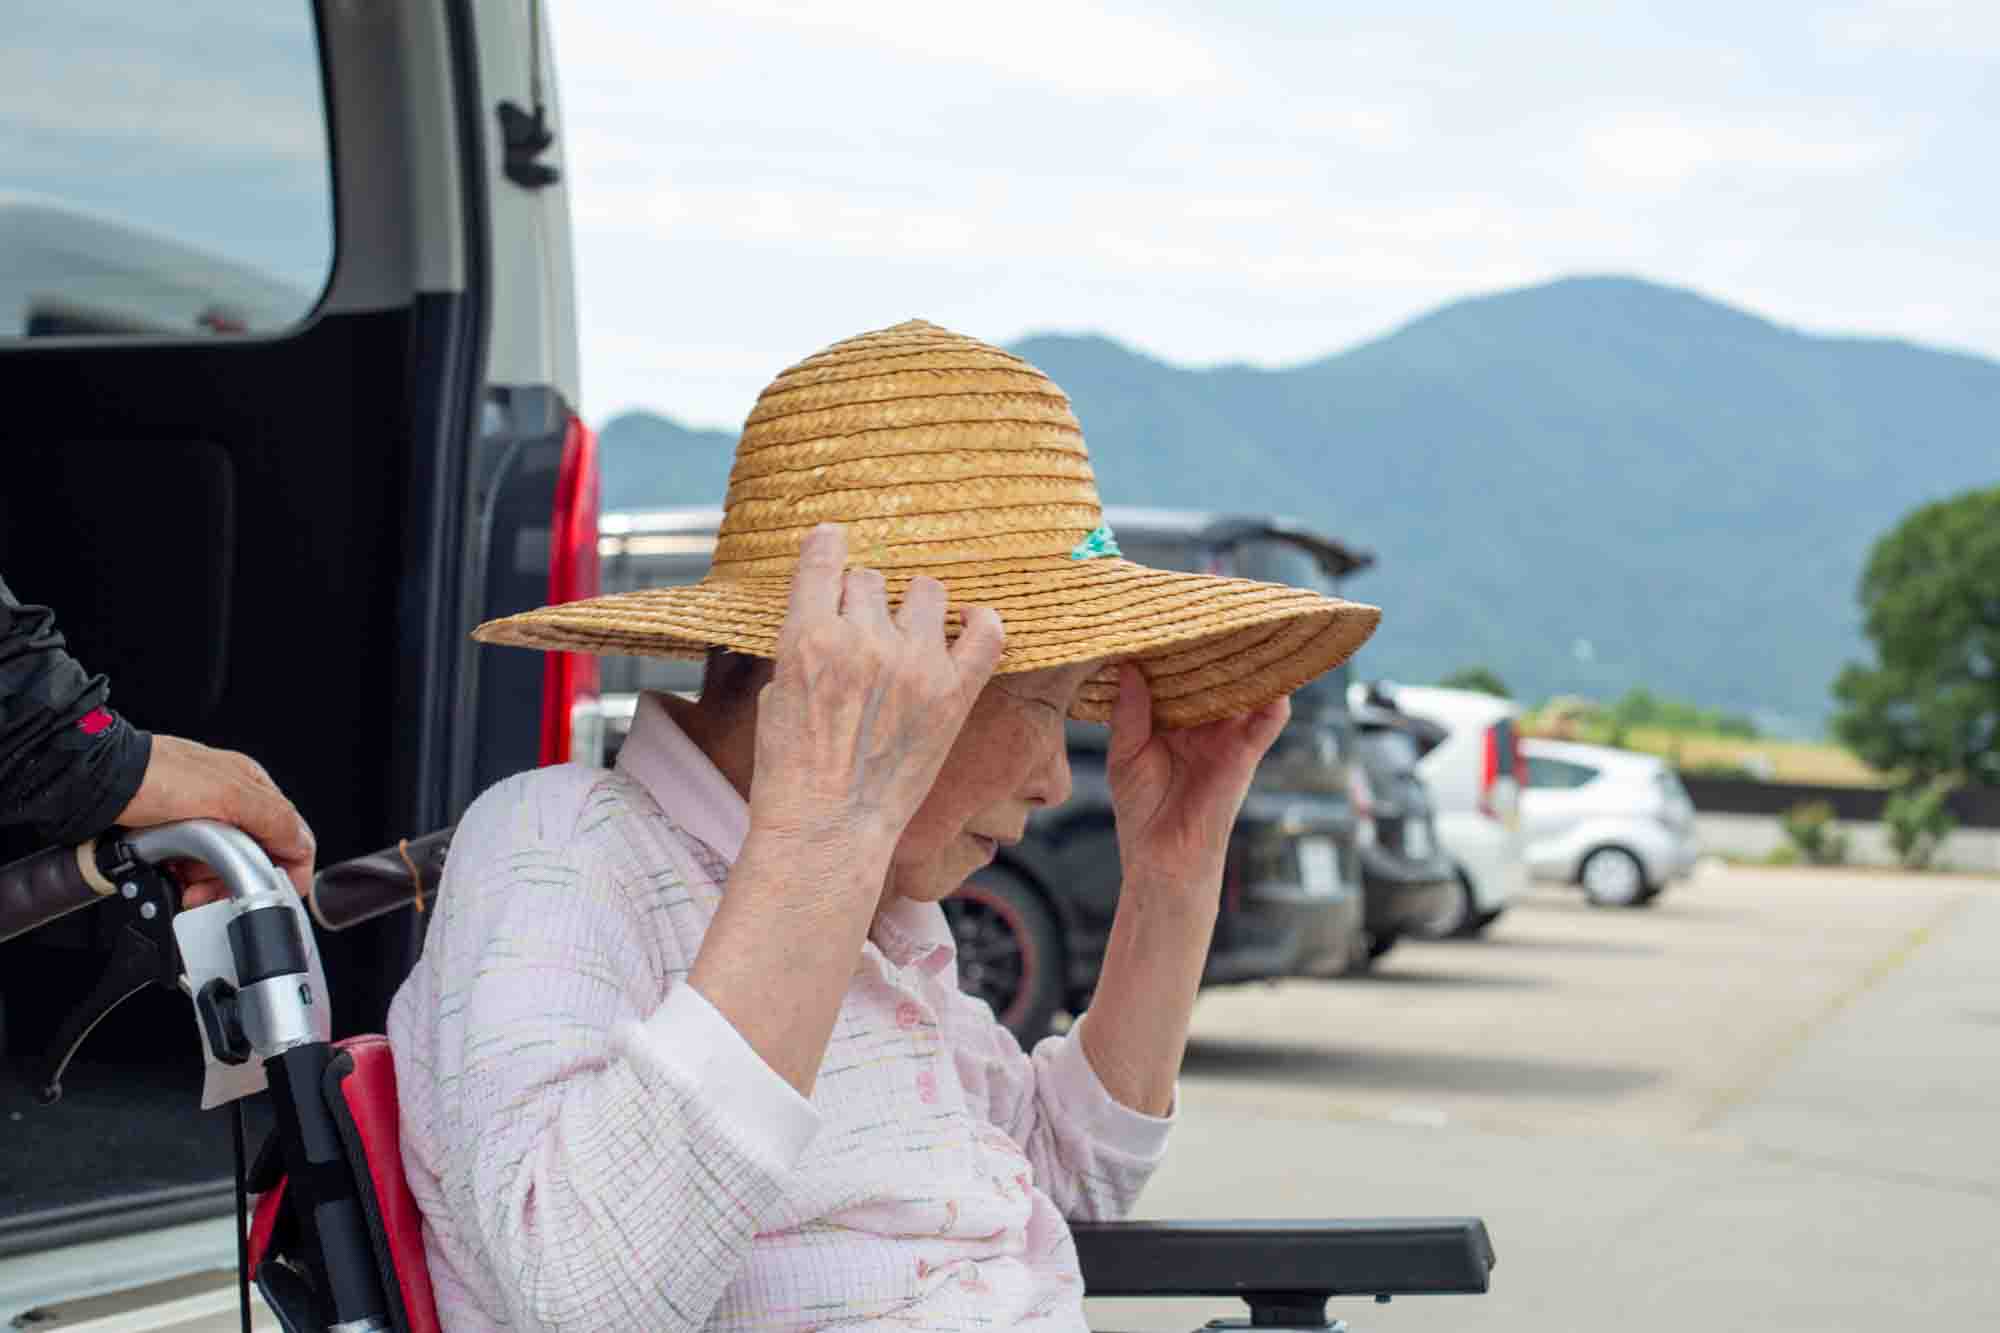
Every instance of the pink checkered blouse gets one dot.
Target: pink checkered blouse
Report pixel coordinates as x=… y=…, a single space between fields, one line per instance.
x=595 y=1147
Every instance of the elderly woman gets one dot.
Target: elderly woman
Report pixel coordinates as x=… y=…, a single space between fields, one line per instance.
x=685 y=1048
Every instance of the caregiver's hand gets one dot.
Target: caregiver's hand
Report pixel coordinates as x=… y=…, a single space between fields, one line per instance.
x=862 y=708
x=1176 y=794
x=187 y=780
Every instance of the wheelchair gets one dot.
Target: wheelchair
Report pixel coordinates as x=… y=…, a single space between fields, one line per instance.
x=336 y=1240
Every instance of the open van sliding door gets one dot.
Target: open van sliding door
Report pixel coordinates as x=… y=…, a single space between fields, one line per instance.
x=274 y=528
x=531 y=535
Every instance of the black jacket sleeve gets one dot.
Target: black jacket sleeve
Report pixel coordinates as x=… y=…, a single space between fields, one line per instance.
x=68 y=764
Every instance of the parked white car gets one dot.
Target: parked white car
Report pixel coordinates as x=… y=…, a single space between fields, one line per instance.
x=1475 y=778
x=1617 y=823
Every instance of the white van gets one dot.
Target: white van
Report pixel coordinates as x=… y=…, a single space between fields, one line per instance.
x=290 y=363
x=1475 y=778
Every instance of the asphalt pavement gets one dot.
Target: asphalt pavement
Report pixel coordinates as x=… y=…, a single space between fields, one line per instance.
x=1769 y=1102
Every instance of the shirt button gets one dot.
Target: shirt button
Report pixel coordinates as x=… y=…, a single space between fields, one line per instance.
x=927 y=1087
x=908 y=1015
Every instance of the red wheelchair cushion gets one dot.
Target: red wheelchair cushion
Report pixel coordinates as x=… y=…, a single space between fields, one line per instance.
x=264 y=1223
x=362 y=1092
x=368 y=1096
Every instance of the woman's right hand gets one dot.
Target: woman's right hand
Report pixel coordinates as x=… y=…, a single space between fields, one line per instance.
x=862 y=708
x=857 y=719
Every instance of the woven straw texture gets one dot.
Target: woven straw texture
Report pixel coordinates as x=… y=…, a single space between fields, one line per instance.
x=945 y=456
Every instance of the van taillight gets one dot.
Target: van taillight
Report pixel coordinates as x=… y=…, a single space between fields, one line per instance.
x=1503 y=759
x=1489 y=773
x=570 y=679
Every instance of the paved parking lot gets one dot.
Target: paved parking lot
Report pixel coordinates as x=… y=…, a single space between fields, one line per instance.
x=1770 y=1102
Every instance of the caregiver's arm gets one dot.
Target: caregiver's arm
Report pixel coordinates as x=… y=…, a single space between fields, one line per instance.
x=1175 y=795
x=860 y=713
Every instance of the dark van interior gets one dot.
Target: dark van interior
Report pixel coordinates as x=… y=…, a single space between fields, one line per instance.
x=256 y=533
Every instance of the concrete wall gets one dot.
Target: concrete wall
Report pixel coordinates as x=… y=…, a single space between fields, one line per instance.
x=1756 y=836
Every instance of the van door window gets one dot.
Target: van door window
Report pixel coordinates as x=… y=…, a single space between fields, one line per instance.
x=1558 y=774
x=1184 y=557
x=166 y=170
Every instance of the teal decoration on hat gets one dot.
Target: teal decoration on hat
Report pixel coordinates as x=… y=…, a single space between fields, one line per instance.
x=1099 y=542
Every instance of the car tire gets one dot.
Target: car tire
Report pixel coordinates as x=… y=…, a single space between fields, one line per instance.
x=1613 y=877
x=1479 y=922
x=1362 y=952
x=1010 y=951
x=1381 y=944
x=1464 y=921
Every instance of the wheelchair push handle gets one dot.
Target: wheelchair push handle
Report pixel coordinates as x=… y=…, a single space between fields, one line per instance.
x=52 y=883
x=406 y=875
x=267 y=1014
x=38 y=889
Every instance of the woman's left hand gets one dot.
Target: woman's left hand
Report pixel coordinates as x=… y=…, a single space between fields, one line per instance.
x=1176 y=793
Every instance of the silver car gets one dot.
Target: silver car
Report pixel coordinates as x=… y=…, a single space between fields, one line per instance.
x=1616 y=823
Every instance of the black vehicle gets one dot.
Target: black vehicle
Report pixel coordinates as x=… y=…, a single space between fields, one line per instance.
x=1033 y=926
x=1407 y=879
x=283 y=425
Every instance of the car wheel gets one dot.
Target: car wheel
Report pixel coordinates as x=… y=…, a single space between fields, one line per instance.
x=1479 y=922
x=1010 y=953
x=1363 y=953
x=1613 y=877
x=1462 y=920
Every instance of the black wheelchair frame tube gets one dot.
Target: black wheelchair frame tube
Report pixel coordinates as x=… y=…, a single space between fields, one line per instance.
x=320 y=1187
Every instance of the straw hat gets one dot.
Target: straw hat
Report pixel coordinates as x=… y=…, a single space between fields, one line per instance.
x=945 y=456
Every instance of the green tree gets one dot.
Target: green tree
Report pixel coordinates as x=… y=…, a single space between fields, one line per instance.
x=1919 y=822
x=1810 y=825
x=1640 y=707
x=1476 y=678
x=1930 y=706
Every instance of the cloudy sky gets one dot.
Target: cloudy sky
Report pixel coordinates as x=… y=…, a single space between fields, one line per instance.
x=1245 y=181
x=1256 y=181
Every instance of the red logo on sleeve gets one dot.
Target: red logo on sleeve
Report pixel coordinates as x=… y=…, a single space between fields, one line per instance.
x=96 y=722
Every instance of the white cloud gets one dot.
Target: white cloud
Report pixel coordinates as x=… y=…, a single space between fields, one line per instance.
x=1266 y=182
x=1074 y=47
x=1671 y=152
x=1910 y=25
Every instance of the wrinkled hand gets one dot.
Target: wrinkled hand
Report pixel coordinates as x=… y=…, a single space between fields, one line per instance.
x=861 y=709
x=1176 y=794
x=188 y=780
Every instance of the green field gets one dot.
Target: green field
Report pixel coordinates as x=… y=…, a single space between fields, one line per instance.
x=1815 y=763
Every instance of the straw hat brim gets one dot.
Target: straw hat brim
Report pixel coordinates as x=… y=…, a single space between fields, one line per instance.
x=1210 y=647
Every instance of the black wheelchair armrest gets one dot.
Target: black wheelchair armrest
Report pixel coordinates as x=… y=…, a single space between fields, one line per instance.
x=1286 y=1268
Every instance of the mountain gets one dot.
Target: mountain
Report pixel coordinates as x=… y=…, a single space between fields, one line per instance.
x=1586 y=485
x=646 y=461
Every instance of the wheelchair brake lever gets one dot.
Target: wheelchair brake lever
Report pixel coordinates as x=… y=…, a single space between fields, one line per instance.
x=143 y=954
